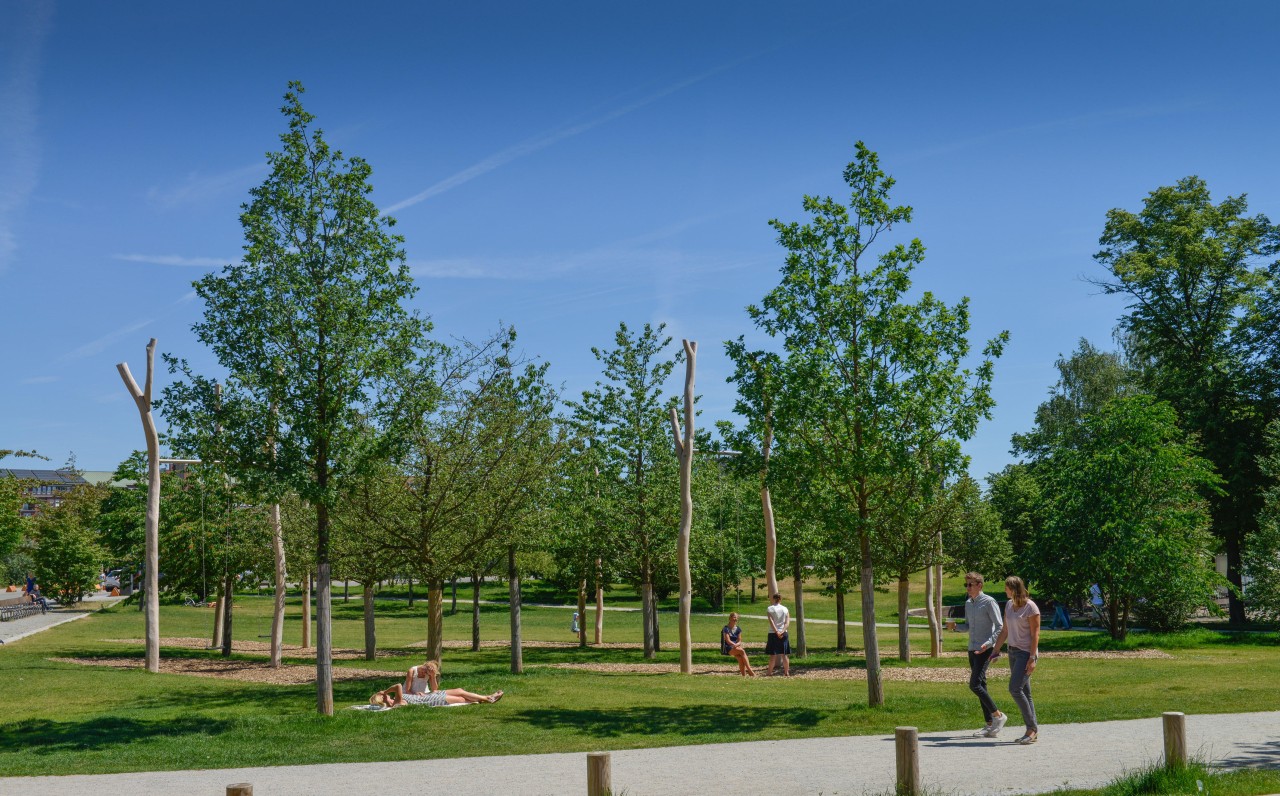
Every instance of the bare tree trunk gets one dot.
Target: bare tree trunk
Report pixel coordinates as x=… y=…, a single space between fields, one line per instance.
x=151 y=587
x=934 y=631
x=582 y=613
x=370 y=631
x=346 y=590
x=475 y=611
x=453 y=588
x=753 y=588
x=802 y=649
x=842 y=640
x=599 y=602
x=646 y=609
x=306 y=611
x=684 y=450
x=870 y=643
x=277 y=612
x=324 y=632
x=435 y=618
x=766 y=503
x=904 y=640
x=937 y=597
x=410 y=591
x=513 y=581
x=216 y=643
x=228 y=602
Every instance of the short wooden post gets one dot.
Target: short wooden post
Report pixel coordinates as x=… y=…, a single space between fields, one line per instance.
x=599 y=779
x=907 y=741
x=240 y=789
x=1175 y=739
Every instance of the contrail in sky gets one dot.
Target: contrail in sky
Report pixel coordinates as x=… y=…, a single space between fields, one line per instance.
x=540 y=142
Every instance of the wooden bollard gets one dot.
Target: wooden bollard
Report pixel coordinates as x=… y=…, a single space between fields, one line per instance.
x=240 y=789
x=907 y=742
x=599 y=779
x=1175 y=739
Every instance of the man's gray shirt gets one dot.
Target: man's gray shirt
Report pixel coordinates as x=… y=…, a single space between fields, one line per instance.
x=982 y=615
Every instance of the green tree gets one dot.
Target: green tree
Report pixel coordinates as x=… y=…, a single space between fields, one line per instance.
x=1262 y=554
x=1014 y=495
x=1086 y=380
x=626 y=416
x=973 y=537
x=1126 y=512
x=311 y=329
x=1191 y=270
x=14 y=528
x=67 y=555
x=868 y=378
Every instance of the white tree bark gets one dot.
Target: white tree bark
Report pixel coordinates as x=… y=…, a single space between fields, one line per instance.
x=277 y=615
x=684 y=449
x=766 y=503
x=151 y=597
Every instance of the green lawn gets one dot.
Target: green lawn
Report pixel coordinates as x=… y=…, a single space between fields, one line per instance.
x=61 y=717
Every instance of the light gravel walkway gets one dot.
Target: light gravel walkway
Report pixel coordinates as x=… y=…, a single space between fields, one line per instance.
x=1079 y=755
x=16 y=629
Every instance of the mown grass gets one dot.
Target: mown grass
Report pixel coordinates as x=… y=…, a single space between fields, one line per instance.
x=61 y=717
x=1195 y=778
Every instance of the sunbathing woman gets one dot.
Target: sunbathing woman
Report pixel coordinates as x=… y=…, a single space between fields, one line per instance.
x=422 y=687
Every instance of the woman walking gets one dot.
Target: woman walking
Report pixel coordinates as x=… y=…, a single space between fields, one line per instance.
x=1022 y=628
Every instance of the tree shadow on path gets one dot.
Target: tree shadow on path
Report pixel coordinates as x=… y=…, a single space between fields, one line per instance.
x=693 y=720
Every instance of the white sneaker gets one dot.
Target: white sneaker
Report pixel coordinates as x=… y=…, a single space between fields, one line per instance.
x=985 y=732
x=997 y=724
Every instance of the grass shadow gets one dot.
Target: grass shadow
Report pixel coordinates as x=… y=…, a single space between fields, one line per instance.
x=690 y=720
x=43 y=736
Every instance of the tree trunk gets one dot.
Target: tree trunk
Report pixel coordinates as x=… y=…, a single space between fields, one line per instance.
x=842 y=639
x=216 y=643
x=870 y=643
x=766 y=503
x=435 y=618
x=151 y=545
x=277 y=608
x=802 y=649
x=1235 y=562
x=228 y=602
x=753 y=589
x=324 y=631
x=904 y=640
x=684 y=449
x=599 y=602
x=475 y=612
x=453 y=588
x=935 y=634
x=306 y=611
x=646 y=610
x=937 y=599
x=513 y=579
x=370 y=631
x=346 y=590
x=410 y=591
x=582 y=613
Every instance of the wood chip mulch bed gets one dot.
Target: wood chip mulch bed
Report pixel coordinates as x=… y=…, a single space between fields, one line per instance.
x=292 y=650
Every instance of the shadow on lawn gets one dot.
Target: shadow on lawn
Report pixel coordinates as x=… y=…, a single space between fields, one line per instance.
x=42 y=736
x=689 y=720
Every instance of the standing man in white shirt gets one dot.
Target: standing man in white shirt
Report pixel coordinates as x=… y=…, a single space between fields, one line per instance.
x=778 y=645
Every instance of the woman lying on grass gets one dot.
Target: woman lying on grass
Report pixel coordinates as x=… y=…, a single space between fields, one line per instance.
x=422 y=687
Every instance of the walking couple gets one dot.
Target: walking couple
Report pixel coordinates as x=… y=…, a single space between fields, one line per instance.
x=987 y=634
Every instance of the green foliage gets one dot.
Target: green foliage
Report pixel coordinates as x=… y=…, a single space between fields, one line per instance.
x=14 y=528
x=1262 y=549
x=1125 y=512
x=68 y=557
x=123 y=513
x=1014 y=495
x=973 y=537
x=1194 y=271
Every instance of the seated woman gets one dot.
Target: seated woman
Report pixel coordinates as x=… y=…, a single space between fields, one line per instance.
x=731 y=644
x=422 y=687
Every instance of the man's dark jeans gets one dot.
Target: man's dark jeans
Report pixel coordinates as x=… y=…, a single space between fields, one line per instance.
x=978 y=662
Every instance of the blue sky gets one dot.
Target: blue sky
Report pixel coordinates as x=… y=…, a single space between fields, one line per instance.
x=566 y=166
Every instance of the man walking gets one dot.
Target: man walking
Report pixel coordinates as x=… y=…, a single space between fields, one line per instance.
x=778 y=645
x=982 y=615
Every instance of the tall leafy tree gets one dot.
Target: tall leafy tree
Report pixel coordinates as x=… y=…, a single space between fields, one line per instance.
x=1126 y=512
x=312 y=331
x=14 y=528
x=869 y=377
x=1191 y=270
x=626 y=415
x=67 y=555
x=1262 y=556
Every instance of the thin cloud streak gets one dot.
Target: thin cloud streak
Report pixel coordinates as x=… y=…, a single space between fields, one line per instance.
x=39 y=380
x=199 y=188
x=173 y=259
x=19 y=97
x=538 y=143
x=99 y=345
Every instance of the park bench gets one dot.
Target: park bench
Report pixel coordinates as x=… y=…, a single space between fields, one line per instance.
x=18 y=607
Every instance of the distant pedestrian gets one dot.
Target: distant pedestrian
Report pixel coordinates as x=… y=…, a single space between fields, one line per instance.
x=1022 y=628
x=573 y=624
x=1061 y=618
x=778 y=645
x=982 y=615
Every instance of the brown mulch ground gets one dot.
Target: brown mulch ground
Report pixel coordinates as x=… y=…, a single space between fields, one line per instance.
x=292 y=650
x=243 y=671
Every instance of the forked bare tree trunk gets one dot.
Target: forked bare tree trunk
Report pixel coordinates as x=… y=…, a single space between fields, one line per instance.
x=151 y=586
x=770 y=529
x=684 y=449
x=277 y=612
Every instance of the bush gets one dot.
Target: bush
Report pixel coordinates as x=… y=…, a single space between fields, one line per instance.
x=67 y=555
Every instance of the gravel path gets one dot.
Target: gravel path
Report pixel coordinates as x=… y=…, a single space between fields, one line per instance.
x=951 y=762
